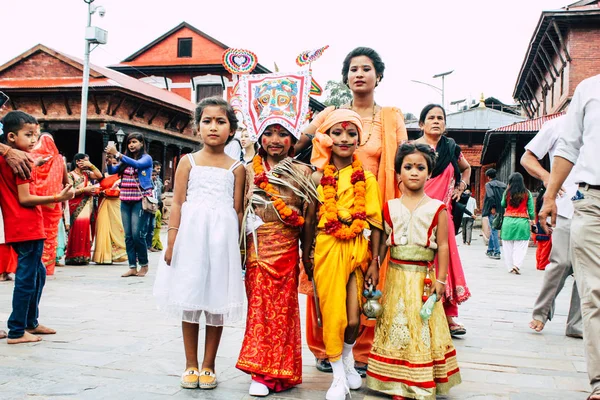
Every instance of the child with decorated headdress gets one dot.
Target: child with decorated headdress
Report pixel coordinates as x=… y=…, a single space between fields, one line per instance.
x=278 y=191
x=346 y=255
x=412 y=355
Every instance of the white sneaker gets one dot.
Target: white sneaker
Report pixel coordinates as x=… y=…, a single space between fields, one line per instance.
x=338 y=390
x=257 y=389
x=353 y=377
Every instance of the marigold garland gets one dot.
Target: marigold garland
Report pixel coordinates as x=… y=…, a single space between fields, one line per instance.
x=342 y=226
x=289 y=216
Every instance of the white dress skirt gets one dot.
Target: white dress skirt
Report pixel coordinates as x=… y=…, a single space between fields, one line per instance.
x=205 y=275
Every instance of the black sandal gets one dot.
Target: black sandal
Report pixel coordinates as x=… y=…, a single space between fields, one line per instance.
x=323 y=365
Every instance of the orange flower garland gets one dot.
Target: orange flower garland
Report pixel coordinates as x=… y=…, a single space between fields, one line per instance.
x=289 y=216
x=338 y=225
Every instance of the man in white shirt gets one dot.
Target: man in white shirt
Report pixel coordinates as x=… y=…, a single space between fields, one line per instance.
x=468 y=218
x=580 y=142
x=560 y=268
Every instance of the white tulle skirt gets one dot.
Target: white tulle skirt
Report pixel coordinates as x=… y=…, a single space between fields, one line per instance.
x=205 y=275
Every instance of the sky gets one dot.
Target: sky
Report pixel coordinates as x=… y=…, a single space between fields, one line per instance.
x=484 y=42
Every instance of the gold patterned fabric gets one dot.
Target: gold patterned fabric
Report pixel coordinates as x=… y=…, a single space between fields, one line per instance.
x=409 y=357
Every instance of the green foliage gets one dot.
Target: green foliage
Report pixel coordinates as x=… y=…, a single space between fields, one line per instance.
x=338 y=94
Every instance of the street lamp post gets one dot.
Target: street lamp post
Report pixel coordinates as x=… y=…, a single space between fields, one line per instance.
x=442 y=75
x=96 y=36
x=120 y=136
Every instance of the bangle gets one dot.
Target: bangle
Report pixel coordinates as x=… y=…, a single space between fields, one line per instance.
x=442 y=282
x=5 y=152
x=118 y=155
x=54 y=198
x=172 y=227
x=93 y=167
x=461 y=181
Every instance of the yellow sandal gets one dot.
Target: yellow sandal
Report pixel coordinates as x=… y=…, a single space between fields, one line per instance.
x=208 y=379
x=189 y=379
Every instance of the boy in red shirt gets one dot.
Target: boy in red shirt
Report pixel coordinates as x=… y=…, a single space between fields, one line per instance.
x=24 y=231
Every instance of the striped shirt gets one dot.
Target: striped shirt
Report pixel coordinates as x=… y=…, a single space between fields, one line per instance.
x=130 y=186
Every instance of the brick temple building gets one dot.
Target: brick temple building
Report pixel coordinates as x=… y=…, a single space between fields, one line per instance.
x=564 y=50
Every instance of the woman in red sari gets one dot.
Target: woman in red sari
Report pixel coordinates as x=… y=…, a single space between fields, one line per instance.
x=49 y=176
x=79 y=245
x=448 y=180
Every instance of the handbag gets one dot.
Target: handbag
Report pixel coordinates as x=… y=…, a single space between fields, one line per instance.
x=497 y=222
x=149 y=204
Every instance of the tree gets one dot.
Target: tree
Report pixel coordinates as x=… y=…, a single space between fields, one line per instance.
x=338 y=94
x=410 y=117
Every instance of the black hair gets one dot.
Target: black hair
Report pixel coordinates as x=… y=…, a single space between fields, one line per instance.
x=291 y=152
x=491 y=173
x=409 y=148
x=156 y=164
x=426 y=110
x=13 y=122
x=516 y=190
x=225 y=106
x=77 y=157
x=367 y=52
x=140 y=138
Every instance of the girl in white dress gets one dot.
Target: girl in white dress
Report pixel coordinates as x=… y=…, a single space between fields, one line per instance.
x=202 y=272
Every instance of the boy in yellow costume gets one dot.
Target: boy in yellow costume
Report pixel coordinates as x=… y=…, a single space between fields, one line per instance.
x=349 y=223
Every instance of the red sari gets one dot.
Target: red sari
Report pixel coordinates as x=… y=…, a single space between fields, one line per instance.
x=272 y=347
x=48 y=181
x=79 y=245
x=8 y=259
x=441 y=188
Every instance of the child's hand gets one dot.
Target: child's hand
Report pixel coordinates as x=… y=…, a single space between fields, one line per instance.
x=168 y=255
x=66 y=194
x=439 y=289
x=372 y=275
x=308 y=268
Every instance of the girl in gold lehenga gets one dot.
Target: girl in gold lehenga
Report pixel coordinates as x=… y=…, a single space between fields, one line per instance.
x=110 y=235
x=413 y=357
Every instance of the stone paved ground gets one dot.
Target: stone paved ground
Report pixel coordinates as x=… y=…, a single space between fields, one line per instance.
x=112 y=344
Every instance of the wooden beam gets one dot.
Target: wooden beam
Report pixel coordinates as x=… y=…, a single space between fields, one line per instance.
x=548 y=68
x=539 y=81
x=42 y=105
x=95 y=101
x=67 y=106
x=187 y=122
x=532 y=93
x=153 y=115
x=555 y=47
x=135 y=110
x=560 y=39
x=170 y=121
x=109 y=104
x=529 y=104
x=549 y=60
x=114 y=111
x=541 y=72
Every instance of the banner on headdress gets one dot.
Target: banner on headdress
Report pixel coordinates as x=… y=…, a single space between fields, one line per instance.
x=280 y=98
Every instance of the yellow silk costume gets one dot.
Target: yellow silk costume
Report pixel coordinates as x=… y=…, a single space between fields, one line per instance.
x=336 y=259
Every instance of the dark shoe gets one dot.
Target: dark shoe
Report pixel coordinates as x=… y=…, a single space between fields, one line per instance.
x=361 y=369
x=456 y=330
x=496 y=256
x=323 y=365
x=575 y=335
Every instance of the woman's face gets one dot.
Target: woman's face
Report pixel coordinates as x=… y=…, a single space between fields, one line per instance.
x=214 y=126
x=435 y=122
x=345 y=139
x=134 y=145
x=276 y=141
x=245 y=139
x=414 y=171
x=362 y=77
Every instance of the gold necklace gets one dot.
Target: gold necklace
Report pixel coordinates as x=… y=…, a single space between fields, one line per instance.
x=372 y=122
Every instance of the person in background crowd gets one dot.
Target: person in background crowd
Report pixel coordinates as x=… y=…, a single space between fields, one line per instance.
x=518 y=220
x=110 y=234
x=79 y=244
x=249 y=146
x=158 y=186
x=135 y=170
x=448 y=180
x=560 y=267
x=542 y=240
x=579 y=143
x=491 y=209
x=49 y=178
x=468 y=219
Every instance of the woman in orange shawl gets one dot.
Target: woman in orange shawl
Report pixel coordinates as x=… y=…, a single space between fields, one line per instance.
x=383 y=131
x=49 y=176
x=110 y=234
